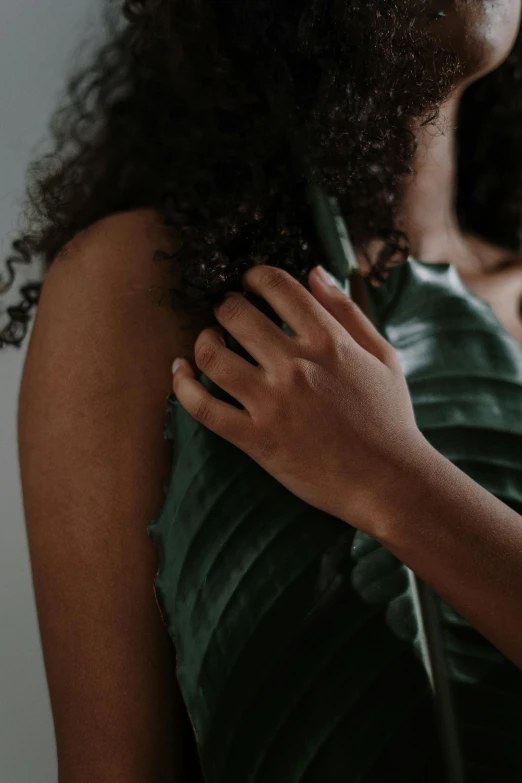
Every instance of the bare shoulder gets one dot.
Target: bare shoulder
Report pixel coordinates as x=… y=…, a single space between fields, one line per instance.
x=104 y=334
x=105 y=307
x=131 y=237
x=109 y=269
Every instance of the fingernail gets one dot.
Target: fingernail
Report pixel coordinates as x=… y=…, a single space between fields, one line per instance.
x=325 y=276
x=176 y=364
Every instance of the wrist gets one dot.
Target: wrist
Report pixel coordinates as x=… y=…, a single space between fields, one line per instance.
x=400 y=490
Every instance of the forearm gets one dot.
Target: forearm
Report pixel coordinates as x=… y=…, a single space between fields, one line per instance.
x=462 y=541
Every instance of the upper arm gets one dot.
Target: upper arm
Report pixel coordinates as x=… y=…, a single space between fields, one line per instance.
x=93 y=458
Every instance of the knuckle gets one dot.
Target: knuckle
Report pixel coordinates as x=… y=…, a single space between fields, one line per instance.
x=232 y=307
x=203 y=412
x=299 y=372
x=325 y=341
x=271 y=278
x=332 y=351
x=205 y=354
x=349 y=308
x=389 y=354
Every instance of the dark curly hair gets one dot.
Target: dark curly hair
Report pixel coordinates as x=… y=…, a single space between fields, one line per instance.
x=217 y=113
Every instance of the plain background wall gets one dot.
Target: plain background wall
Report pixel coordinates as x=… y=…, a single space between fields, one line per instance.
x=37 y=43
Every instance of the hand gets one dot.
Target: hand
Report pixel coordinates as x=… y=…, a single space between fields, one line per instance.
x=326 y=411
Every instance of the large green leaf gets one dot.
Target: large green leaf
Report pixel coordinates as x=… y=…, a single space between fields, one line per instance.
x=307 y=653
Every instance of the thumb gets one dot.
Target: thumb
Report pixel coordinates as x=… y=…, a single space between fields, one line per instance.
x=348 y=313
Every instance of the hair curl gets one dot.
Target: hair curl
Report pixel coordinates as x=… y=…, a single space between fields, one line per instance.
x=217 y=114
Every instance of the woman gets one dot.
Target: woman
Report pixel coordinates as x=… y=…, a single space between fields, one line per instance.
x=228 y=112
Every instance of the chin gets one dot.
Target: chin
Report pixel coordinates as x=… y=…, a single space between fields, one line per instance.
x=481 y=32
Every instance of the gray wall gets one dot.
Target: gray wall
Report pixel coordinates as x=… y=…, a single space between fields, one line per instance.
x=37 y=41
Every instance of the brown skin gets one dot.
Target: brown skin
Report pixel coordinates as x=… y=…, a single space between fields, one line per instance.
x=376 y=471
x=92 y=459
x=482 y=32
x=379 y=469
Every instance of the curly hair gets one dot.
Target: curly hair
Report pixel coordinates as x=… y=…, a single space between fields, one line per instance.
x=218 y=115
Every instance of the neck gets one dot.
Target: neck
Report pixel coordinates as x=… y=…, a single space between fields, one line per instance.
x=428 y=213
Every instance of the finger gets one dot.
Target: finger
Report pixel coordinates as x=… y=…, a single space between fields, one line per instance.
x=291 y=301
x=349 y=315
x=264 y=340
x=223 y=419
x=229 y=371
